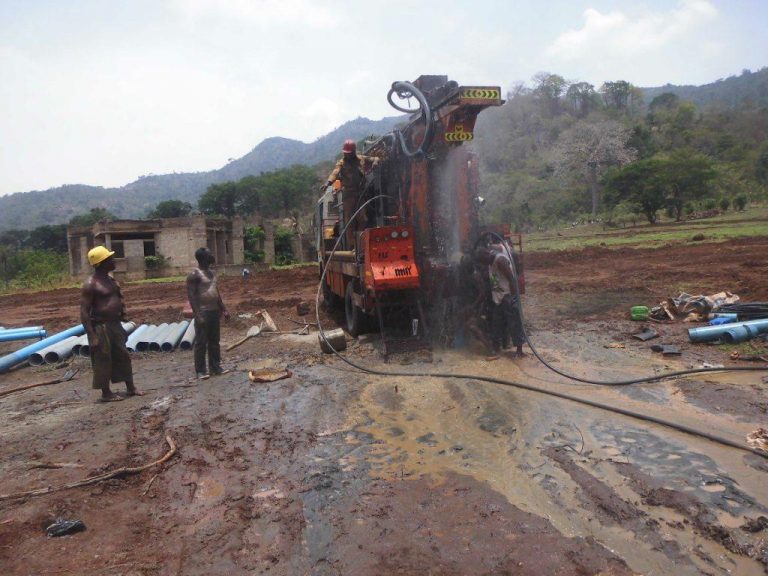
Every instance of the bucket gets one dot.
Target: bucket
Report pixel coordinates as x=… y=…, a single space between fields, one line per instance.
x=639 y=312
x=336 y=338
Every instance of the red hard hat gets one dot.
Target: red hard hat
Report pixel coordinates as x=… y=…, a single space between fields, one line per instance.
x=349 y=147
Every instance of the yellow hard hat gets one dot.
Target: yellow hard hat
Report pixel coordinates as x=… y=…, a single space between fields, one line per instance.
x=98 y=254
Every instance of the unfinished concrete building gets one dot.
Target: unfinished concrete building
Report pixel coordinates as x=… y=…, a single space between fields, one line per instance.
x=158 y=247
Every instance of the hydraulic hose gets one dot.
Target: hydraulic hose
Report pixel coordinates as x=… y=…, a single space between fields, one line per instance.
x=519 y=305
x=406 y=90
x=504 y=382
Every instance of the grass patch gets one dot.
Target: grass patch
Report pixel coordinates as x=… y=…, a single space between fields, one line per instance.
x=753 y=222
x=293 y=266
x=164 y=280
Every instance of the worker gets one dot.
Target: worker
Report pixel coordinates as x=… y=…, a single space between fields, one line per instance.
x=102 y=311
x=505 y=316
x=474 y=299
x=208 y=308
x=351 y=170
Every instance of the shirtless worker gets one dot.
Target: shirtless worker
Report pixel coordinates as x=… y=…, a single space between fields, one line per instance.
x=208 y=307
x=101 y=311
x=505 y=317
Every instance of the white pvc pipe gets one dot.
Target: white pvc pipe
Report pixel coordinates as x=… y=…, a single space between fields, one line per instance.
x=189 y=337
x=155 y=344
x=85 y=348
x=171 y=340
x=133 y=339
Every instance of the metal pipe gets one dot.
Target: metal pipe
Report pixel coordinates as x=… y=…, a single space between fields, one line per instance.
x=709 y=333
x=10 y=360
x=156 y=344
x=85 y=349
x=11 y=335
x=189 y=337
x=134 y=337
x=148 y=336
x=171 y=340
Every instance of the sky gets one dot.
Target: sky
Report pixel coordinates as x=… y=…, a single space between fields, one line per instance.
x=101 y=92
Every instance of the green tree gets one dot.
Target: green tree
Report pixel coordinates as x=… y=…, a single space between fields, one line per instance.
x=220 y=199
x=687 y=176
x=171 y=209
x=587 y=150
x=92 y=217
x=582 y=98
x=548 y=90
x=49 y=238
x=640 y=183
x=617 y=95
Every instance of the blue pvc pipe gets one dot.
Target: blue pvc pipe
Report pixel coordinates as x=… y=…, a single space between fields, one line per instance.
x=9 y=336
x=738 y=334
x=21 y=329
x=10 y=360
x=709 y=333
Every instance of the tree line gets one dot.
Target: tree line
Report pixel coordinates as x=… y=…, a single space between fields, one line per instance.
x=559 y=151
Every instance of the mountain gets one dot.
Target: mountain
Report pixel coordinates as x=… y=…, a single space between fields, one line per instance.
x=750 y=88
x=27 y=210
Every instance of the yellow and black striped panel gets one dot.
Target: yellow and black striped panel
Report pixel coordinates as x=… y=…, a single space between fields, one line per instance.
x=489 y=95
x=458 y=134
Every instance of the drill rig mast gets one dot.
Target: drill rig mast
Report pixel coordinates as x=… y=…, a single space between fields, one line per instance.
x=403 y=251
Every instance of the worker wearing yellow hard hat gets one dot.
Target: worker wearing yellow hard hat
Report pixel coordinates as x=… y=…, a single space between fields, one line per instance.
x=98 y=254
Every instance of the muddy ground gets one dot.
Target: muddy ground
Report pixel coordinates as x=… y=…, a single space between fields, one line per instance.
x=336 y=472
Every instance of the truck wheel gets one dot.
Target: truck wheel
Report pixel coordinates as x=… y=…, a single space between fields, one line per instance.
x=355 y=316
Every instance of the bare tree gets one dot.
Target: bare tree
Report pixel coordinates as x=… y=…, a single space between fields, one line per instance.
x=586 y=150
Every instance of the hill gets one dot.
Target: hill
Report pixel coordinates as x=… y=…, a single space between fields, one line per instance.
x=27 y=210
x=748 y=89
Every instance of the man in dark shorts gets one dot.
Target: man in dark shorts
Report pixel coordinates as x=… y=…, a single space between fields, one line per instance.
x=207 y=307
x=101 y=311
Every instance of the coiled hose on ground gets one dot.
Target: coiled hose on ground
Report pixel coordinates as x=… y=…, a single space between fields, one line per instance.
x=504 y=382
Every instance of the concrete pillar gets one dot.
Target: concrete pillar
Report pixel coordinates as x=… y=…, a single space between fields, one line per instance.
x=269 y=243
x=84 y=264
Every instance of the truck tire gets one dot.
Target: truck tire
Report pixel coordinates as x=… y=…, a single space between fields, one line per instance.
x=355 y=316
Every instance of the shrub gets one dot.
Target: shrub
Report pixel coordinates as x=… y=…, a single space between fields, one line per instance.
x=710 y=204
x=725 y=203
x=740 y=202
x=154 y=262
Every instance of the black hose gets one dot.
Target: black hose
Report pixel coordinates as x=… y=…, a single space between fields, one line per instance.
x=519 y=305
x=645 y=417
x=407 y=90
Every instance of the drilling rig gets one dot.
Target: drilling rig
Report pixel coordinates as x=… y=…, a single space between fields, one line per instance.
x=395 y=268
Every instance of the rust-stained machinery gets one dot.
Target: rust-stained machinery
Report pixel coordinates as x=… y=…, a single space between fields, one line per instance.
x=399 y=262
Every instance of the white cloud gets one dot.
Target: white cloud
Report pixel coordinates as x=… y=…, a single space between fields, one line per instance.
x=616 y=33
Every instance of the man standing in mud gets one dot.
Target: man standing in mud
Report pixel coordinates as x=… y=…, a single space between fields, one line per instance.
x=505 y=317
x=101 y=311
x=208 y=308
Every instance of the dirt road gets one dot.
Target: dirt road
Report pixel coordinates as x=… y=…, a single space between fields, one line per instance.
x=335 y=472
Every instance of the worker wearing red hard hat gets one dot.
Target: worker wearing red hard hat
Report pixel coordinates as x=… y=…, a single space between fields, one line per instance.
x=350 y=171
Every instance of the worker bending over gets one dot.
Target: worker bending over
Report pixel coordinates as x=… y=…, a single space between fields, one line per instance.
x=102 y=311
x=505 y=316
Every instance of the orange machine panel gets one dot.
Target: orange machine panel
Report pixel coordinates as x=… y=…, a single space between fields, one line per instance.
x=389 y=262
